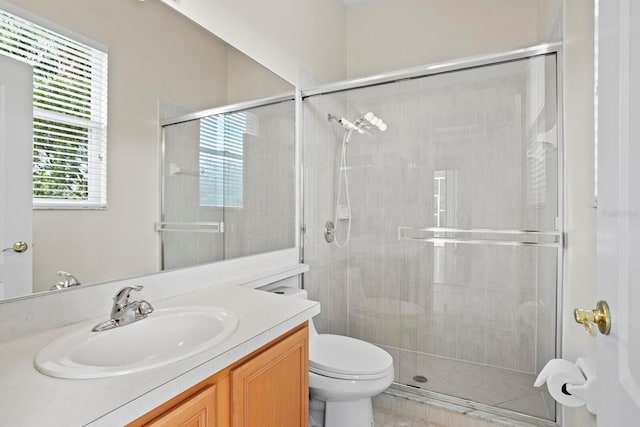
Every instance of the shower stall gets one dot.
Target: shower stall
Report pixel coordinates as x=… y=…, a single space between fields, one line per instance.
x=454 y=258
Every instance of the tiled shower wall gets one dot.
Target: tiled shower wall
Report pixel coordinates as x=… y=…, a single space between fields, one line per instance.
x=473 y=149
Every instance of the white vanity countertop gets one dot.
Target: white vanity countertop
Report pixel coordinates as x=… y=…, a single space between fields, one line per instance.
x=29 y=398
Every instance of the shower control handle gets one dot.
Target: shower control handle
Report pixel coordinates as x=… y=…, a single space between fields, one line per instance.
x=329 y=231
x=599 y=317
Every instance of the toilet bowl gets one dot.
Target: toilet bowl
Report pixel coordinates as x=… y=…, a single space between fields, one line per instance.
x=344 y=374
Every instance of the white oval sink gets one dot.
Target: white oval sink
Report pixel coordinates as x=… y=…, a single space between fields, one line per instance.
x=165 y=336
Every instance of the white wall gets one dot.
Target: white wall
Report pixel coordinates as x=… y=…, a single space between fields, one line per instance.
x=312 y=42
x=549 y=20
x=247 y=80
x=300 y=40
x=580 y=217
x=385 y=35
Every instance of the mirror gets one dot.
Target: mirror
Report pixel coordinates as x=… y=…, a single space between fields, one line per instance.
x=228 y=184
x=160 y=65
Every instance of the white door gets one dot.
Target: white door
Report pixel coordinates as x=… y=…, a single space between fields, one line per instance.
x=618 y=389
x=16 y=152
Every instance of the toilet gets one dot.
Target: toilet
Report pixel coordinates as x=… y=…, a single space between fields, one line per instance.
x=344 y=374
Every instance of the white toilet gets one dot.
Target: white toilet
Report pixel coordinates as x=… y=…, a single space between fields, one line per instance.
x=344 y=374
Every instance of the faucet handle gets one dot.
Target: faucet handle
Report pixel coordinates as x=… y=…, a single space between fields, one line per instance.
x=122 y=297
x=121 y=301
x=145 y=308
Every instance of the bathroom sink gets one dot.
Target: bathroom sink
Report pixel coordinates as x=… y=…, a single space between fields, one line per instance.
x=165 y=336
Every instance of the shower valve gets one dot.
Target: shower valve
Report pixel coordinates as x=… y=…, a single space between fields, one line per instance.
x=329 y=231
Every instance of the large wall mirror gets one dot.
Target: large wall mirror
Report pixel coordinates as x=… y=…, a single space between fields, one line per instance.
x=228 y=182
x=161 y=65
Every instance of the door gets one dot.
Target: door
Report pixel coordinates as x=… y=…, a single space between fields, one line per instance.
x=618 y=390
x=16 y=142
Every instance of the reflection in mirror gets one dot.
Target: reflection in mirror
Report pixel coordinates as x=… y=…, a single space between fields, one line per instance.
x=228 y=184
x=156 y=57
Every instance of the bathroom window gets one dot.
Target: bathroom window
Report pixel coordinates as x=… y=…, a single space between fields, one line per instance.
x=222 y=158
x=70 y=111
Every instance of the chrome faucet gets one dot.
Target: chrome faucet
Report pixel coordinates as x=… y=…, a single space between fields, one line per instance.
x=68 y=281
x=124 y=311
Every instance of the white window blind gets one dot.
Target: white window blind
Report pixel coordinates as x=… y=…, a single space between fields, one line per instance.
x=70 y=113
x=221 y=159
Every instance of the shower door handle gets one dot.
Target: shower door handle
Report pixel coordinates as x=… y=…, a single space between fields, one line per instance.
x=599 y=317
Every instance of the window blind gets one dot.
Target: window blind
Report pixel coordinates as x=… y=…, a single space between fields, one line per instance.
x=70 y=113
x=221 y=159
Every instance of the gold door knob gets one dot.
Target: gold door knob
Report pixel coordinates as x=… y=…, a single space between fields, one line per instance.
x=591 y=318
x=18 y=247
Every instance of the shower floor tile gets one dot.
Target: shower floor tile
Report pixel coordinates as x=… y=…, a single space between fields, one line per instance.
x=397 y=408
x=502 y=388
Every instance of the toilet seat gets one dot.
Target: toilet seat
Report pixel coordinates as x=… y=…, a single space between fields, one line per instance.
x=348 y=358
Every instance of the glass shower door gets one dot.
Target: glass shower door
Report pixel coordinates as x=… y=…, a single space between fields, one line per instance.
x=487 y=298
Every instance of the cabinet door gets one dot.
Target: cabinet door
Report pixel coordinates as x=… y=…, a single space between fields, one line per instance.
x=197 y=411
x=271 y=389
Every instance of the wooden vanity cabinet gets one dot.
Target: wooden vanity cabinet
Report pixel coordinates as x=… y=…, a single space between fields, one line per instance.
x=271 y=388
x=267 y=388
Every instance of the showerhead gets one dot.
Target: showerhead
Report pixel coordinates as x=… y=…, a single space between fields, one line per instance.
x=375 y=121
x=362 y=123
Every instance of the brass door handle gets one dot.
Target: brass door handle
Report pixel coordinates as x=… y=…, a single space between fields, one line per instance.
x=600 y=317
x=18 y=247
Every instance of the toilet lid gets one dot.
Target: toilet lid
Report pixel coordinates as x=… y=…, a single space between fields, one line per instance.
x=339 y=356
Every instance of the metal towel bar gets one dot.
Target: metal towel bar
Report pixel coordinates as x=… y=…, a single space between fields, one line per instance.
x=482 y=236
x=193 y=227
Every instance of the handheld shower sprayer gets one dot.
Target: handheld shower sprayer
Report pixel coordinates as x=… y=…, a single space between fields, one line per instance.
x=343 y=212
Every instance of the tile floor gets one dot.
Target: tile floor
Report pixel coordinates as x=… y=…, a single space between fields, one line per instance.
x=387 y=418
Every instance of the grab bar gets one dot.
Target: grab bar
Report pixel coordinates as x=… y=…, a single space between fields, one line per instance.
x=194 y=227
x=482 y=236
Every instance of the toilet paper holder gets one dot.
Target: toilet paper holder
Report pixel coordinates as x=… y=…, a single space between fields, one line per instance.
x=571 y=384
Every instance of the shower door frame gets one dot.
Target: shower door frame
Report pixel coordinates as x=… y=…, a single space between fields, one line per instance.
x=448 y=67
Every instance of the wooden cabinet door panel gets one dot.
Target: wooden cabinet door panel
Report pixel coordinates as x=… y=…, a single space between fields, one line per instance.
x=197 y=411
x=271 y=389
